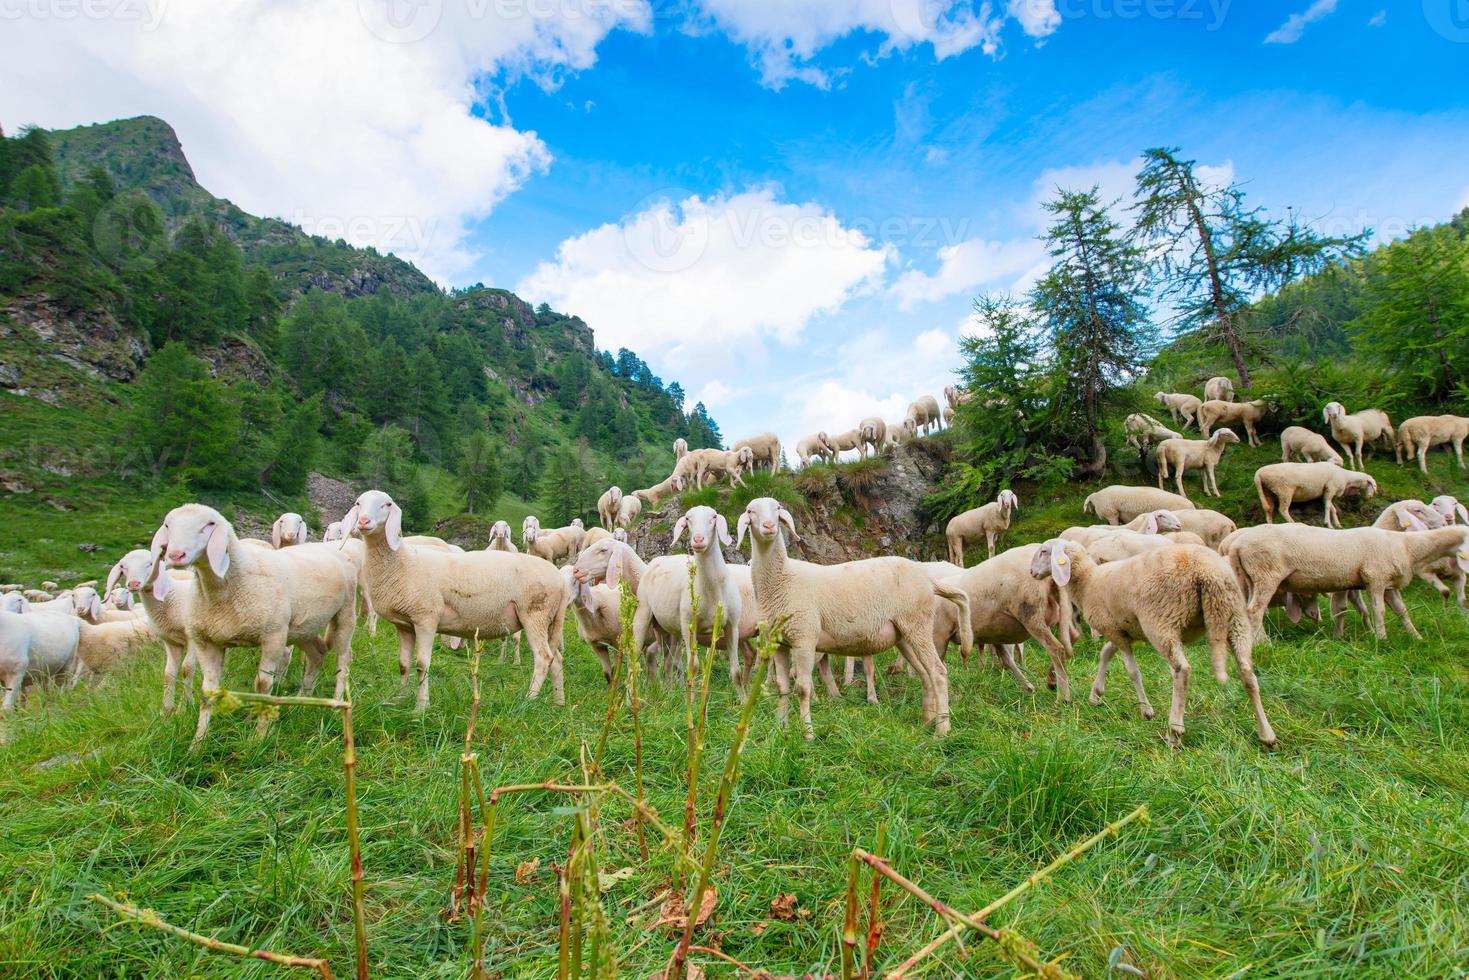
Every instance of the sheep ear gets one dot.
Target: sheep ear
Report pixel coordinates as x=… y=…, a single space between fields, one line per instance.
x=1150 y=524
x=741 y=527
x=161 y=584
x=393 y=529
x=160 y=539
x=723 y=526
x=614 y=568
x=1292 y=607
x=94 y=607
x=275 y=534
x=678 y=529
x=349 y=524
x=1411 y=521
x=1060 y=563
x=218 y=549
x=1463 y=515
x=113 y=576
x=785 y=518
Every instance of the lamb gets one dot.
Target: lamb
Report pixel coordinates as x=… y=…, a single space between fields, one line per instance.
x=713 y=586
x=1359 y=429
x=598 y=615
x=715 y=463
x=680 y=447
x=946 y=630
x=1166 y=597
x=252 y=597
x=89 y=607
x=1193 y=454
x=991 y=520
x=766 y=448
x=954 y=397
x=845 y=441
x=530 y=521
x=815 y=446
x=1310 y=560
x=553 y=545
x=1281 y=484
x=1310 y=447
x=290 y=528
x=1246 y=414
x=1183 y=408
x=923 y=414
x=1144 y=431
x=686 y=470
x=607 y=505
x=1119 y=504
x=166 y=599
x=34 y=646
x=631 y=509
x=1422 y=432
x=658 y=584
x=478 y=594
x=1219 y=388
x=500 y=538
x=857 y=608
x=873 y=432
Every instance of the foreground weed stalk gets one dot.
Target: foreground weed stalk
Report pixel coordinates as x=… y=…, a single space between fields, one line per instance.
x=628 y=607
x=696 y=748
x=874 y=919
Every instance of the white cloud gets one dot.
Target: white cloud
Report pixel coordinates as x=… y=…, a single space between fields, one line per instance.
x=1295 y=25
x=933 y=342
x=784 y=36
x=968 y=265
x=714 y=393
x=354 y=118
x=699 y=280
x=1378 y=19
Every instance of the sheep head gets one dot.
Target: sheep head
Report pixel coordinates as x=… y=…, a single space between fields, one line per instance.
x=1450 y=508
x=1054 y=560
x=1331 y=410
x=375 y=512
x=288 y=529
x=189 y=535
x=134 y=571
x=1223 y=435
x=14 y=602
x=1008 y=501
x=500 y=531
x=602 y=560
x=121 y=598
x=87 y=602
x=704 y=525
x=763 y=517
x=335 y=531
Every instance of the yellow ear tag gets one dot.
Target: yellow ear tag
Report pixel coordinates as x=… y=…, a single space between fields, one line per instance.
x=1464 y=556
x=1061 y=560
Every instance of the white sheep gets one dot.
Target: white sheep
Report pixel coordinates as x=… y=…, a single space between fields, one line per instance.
x=89 y=607
x=991 y=520
x=873 y=432
x=1219 y=388
x=1144 y=431
x=766 y=448
x=500 y=541
x=14 y=602
x=1184 y=408
x=1193 y=454
x=1247 y=414
x=1167 y=598
x=607 y=506
x=1119 y=504
x=63 y=604
x=289 y=529
x=1211 y=526
x=253 y=597
x=1422 y=432
x=714 y=463
x=1281 y=484
x=815 y=446
x=1307 y=446
x=846 y=442
x=35 y=646
x=659 y=585
x=1450 y=508
x=631 y=509
x=923 y=416
x=167 y=604
x=555 y=544
x=1153 y=522
x=948 y=416
x=1440 y=513
x=680 y=447
x=714 y=586
x=598 y=615
x=477 y=594
x=1360 y=429
x=857 y=608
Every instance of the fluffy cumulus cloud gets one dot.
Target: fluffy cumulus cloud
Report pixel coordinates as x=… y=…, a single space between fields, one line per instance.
x=353 y=118
x=698 y=280
x=969 y=265
x=1295 y=25
x=784 y=36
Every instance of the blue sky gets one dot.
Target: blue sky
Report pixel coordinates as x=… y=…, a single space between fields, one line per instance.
x=787 y=205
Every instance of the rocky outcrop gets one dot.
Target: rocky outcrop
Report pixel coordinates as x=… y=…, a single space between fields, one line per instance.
x=92 y=341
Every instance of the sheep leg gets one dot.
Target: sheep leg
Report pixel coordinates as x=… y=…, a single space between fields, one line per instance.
x=1395 y=600
x=544 y=660
x=871 y=675
x=405 y=655
x=830 y=681
x=12 y=694
x=1329 y=508
x=1178 y=472
x=1283 y=502
x=938 y=676
x=1129 y=663
x=803 y=662
x=1099 y=686
x=1002 y=650
x=1379 y=612
x=1244 y=665
x=1459 y=452
x=211 y=665
x=990 y=539
x=603 y=655
x=849 y=672
x=1423 y=456
x=1459 y=578
x=782 y=657
x=1178 y=661
x=735 y=677
x=315 y=650
x=172 y=655
x=1437 y=583
x=274 y=658
x=423 y=658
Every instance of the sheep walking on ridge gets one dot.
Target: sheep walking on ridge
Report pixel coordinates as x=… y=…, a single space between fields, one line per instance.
x=1360 y=429
x=766 y=448
x=1306 y=446
x=1166 y=598
x=991 y=520
x=1247 y=414
x=873 y=432
x=923 y=416
x=1183 y=407
x=1193 y=454
x=848 y=441
x=815 y=446
x=1281 y=484
x=1422 y=432
x=607 y=506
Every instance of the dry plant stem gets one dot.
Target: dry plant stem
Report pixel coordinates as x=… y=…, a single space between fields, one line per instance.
x=628 y=607
x=1110 y=830
x=349 y=768
x=768 y=641
x=563 y=944
x=696 y=747
x=719 y=954
x=280 y=699
x=849 y=924
x=874 y=921
x=148 y=917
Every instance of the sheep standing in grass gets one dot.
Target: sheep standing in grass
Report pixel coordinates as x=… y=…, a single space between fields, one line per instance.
x=1184 y=408
x=1395 y=517
x=1307 y=446
x=255 y=597
x=848 y=441
x=35 y=646
x=631 y=509
x=500 y=541
x=1144 y=431
x=289 y=529
x=598 y=613
x=1193 y=454
x=658 y=584
x=1360 y=429
x=815 y=446
x=167 y=604
x=991 y=520
x=1167 y=598
x=607 y=505
x=1219 y=388
x=766 y=448
x=1247 y=414
x=857 y=608
x=1281 y=484
x=1422 y=432
x=555 y=544
x=714 y=587
x=1154 y=522
x=1119 y=504
x=478 y=594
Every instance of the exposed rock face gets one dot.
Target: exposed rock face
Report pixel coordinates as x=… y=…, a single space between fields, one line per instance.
x=93 y=341
x=233 y=358
x=331 y=498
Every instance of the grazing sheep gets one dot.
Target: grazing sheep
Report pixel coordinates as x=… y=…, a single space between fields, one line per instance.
x=715 y=463
x=631 y=509
x=1359 y=429
x=857 y=608
x=1167 y=598
x=1154 y=522
x=1193 y=454
x=954 y=397
x=680 y=447
x=923 y=416
x=846 y=441
x=714 y=587
x=597 y=610
x=659 y=585
x=477 y=594
x=290 y=528
x=500 y=541
x=592 y=537
x=815 y=446
x=653 y=496
x=63 y=604
x=166 y=599
x=1184 y=408
x=1310 y=560
x=991 y=520
x=1422 y=432
x=1219 y=388
x=1310 y=447
x=607 y=505
x=252 y=597
x=1119 y=504
x=1211 y=526
x=1440 y=513
x=766 y=448
x=1246 y=414
x=554 y=545
x=1122 y=544
x=873 y=433
x=1281 y=484
x=1144 y=431
x=34 y=646
x=948 y=416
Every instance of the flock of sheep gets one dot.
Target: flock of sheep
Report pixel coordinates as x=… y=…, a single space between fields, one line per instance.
x=1159 y=570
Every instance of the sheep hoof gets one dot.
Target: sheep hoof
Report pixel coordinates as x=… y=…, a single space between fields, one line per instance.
x=1095 y=698
x=1271 y=745
x=872 y=700
x=1147 y=712
x=1174 y=738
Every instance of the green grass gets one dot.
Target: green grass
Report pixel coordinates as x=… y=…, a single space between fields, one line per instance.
x=1345 y=853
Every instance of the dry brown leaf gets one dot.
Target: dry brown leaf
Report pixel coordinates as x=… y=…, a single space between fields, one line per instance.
x=525 y=871
x=674 y=915
x=784 y=906
x=759 y=927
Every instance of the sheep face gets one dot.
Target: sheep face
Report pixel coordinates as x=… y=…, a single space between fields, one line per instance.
x=1332 y=410
x=121 y=598
x=577 y=522
x=1008 y=501
x=133 y=570
x=620 y=535
x=1224 y=435
x=375 y=512
x=705 y=525
x=87 y=602
x=500 y=532
x=288 y=529
x=1053 y=560
x=190 y=534
x=601 y=561
x=335 y=531
x=527 y=526
x=763 y=517
x=1449 y=506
